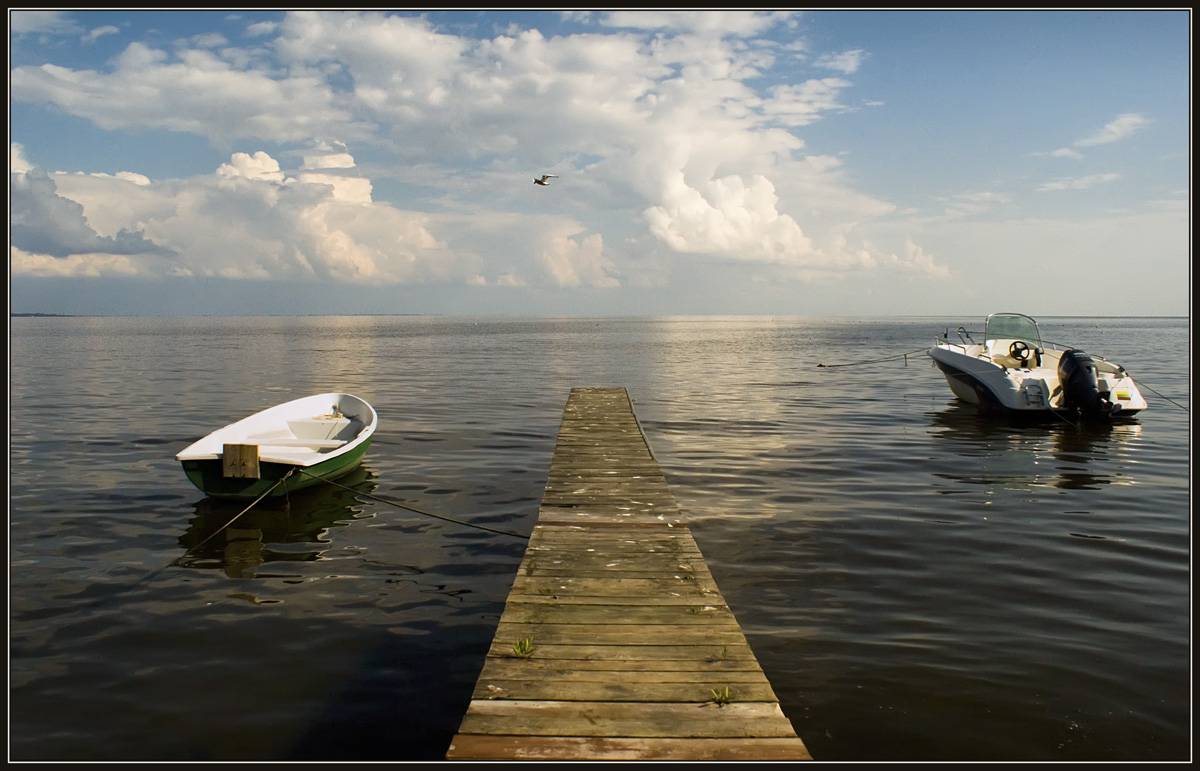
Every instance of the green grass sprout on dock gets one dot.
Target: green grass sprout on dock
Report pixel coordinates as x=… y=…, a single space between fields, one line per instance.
x=523 y=649
x=721 y=698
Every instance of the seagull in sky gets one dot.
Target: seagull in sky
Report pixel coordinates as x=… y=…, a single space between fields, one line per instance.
x=543 y=181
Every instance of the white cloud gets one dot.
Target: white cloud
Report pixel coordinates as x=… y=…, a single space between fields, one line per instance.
x=134 y=177
x=100 y=32
x=917 y=260
x=75 y=266
x=247 y=220
x=862 y=257
x=971 y=204
x=573 y=263
x=728 y=217
x=262 y=28
x=16 y=159
x=196 y=92
x=328 y=156
x=349 y=189
x=257 y=166
x=800 y=105
x=847 y=62
x=209 y=40
x=667 y=126
x=1123 y=127
x=44 y=22
x=41 y=221
x=722 y=23
x=1079 y=183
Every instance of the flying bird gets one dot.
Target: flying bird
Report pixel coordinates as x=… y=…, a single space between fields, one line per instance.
x=543 y=181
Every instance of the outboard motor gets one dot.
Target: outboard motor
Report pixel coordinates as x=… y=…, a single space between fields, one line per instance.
x=1081 y=391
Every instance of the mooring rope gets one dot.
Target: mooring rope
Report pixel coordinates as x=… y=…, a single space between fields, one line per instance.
x=875 y=361
x=416 y=511
x=235 y=518
x=221 y=529
x=1156 y=393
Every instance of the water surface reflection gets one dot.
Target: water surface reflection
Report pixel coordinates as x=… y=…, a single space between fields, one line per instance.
x=991 y=448
x=224 y=534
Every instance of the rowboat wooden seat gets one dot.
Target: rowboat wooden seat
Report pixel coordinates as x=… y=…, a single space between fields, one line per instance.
x=318 y=444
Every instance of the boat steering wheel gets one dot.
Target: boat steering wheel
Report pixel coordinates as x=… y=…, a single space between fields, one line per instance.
x=1019 y=350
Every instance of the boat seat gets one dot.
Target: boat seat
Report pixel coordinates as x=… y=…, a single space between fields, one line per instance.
x=319 y=444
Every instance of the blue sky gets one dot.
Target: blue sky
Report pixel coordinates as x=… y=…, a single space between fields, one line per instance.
x=853 y=163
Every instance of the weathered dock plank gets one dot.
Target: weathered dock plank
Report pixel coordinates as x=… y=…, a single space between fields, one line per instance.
x=630 y=651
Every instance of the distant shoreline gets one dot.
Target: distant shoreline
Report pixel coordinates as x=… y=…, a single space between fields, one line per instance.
x=52 y=315
x=511 y=316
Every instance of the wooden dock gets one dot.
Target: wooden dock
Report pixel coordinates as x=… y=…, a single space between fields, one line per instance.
x=615 y=643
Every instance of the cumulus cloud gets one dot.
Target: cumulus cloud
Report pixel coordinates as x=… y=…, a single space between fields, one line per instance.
x=16 y=159
x=351 y=189
x=575 y=262
x=335 y=156
x=655 y=115
x=325 y=155
x=729 y=216
x=247 y=220
x=257 y=166
x=917 y=260
x=43 y=222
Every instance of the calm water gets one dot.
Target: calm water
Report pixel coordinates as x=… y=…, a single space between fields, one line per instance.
x=917 y=582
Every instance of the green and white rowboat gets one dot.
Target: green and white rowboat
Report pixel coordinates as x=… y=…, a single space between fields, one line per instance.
x=282 y=449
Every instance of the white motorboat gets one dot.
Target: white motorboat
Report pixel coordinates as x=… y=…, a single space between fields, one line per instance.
x=1015 y=371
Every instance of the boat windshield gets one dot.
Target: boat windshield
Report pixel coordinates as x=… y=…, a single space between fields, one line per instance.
x=1012 y=326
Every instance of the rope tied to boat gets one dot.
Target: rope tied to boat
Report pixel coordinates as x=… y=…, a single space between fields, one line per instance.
x=1156 y=393
x=905 y=355
x=223 y=527
x=415 y=511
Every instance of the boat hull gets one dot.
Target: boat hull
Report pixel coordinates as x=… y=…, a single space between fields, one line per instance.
x=208 y=475
x=969 y=388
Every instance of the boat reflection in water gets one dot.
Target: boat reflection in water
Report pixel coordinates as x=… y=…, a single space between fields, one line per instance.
x=1015 y=452
x=291 y=529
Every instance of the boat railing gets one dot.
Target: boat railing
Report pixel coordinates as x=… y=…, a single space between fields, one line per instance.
x=1056 y=346
x=941 y=342
x=963 y=335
